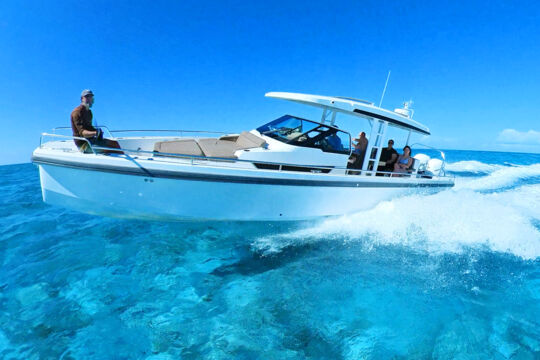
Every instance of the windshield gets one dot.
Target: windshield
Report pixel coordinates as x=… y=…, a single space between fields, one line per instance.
x=301 y=132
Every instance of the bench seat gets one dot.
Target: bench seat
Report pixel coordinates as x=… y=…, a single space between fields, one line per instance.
x=224 y=147
x=180 y=146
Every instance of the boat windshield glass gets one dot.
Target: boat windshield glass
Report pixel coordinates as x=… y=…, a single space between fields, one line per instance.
x=301 y=132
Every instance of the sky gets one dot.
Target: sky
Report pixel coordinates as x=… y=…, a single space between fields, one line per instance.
x=471 y=68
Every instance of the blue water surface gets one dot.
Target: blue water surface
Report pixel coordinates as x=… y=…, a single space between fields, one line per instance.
x=455 y=275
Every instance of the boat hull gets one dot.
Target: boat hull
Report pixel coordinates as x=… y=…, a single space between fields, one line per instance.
x=209 y=196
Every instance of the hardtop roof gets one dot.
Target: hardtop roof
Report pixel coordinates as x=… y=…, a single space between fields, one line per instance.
x=354 y=107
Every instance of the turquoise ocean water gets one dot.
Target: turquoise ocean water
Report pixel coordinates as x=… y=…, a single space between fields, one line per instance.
x=455 y=275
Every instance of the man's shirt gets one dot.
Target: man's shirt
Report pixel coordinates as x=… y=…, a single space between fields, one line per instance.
x=81 y=119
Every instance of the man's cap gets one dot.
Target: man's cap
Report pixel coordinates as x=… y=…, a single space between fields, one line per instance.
x=86 y=93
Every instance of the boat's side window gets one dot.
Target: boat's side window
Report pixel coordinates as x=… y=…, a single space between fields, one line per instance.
x=337 y=142
x=328 y=139
x=306 y=133
x=286 y=128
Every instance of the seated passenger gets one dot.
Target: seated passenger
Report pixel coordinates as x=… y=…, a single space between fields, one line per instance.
x=389 y=156
x=356 y=160
x=404 y=161
x=361 y=143
x=81 y=124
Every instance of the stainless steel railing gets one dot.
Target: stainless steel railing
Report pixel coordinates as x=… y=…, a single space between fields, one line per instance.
x=69 y=128
x=163 y=156
x=66 y=137
x=181 y=156
x=173 y=131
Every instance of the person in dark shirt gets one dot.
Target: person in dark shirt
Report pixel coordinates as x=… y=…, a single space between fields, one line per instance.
x=81 y=124
x=389 y=156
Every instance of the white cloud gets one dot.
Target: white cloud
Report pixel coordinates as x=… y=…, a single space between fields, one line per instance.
x=511 y=136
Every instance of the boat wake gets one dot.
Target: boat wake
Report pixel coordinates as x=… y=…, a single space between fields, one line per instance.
x=472 y=166
x=507 y=219
x=499 y=178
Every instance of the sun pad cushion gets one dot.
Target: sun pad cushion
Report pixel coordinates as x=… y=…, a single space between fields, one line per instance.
x=181 y=146
x=218 y=148
x=247 y=140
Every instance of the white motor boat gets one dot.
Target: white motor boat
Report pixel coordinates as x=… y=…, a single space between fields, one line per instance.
x=288 y=169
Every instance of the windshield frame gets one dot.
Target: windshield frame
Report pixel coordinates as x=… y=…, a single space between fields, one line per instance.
x=298 y=136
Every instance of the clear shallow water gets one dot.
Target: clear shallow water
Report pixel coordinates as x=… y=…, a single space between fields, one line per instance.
x=452 y=275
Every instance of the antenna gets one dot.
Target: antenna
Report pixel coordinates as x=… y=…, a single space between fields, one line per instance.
x=385 y=84
x=407 y=104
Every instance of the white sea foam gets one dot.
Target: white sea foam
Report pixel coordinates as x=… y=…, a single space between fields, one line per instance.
x=526 y=199
x=445 y=222
x=473 y=166
x=502 y=177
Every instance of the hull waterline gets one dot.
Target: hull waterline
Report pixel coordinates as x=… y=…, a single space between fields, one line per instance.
x=175 y=198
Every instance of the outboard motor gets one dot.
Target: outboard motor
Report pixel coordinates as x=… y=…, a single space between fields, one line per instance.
x=420 y=162
x=434 y=166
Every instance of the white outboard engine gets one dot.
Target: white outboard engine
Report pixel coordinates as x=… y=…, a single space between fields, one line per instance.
x=434 y=166
x=420 y=162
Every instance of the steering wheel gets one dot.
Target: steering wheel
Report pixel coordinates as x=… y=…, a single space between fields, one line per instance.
x=287 y=131
x=270 y=131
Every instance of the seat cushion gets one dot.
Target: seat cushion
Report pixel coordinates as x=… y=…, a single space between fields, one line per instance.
x=229 y=137
x=247 y=140
x=218 y=148
x=181 y=146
